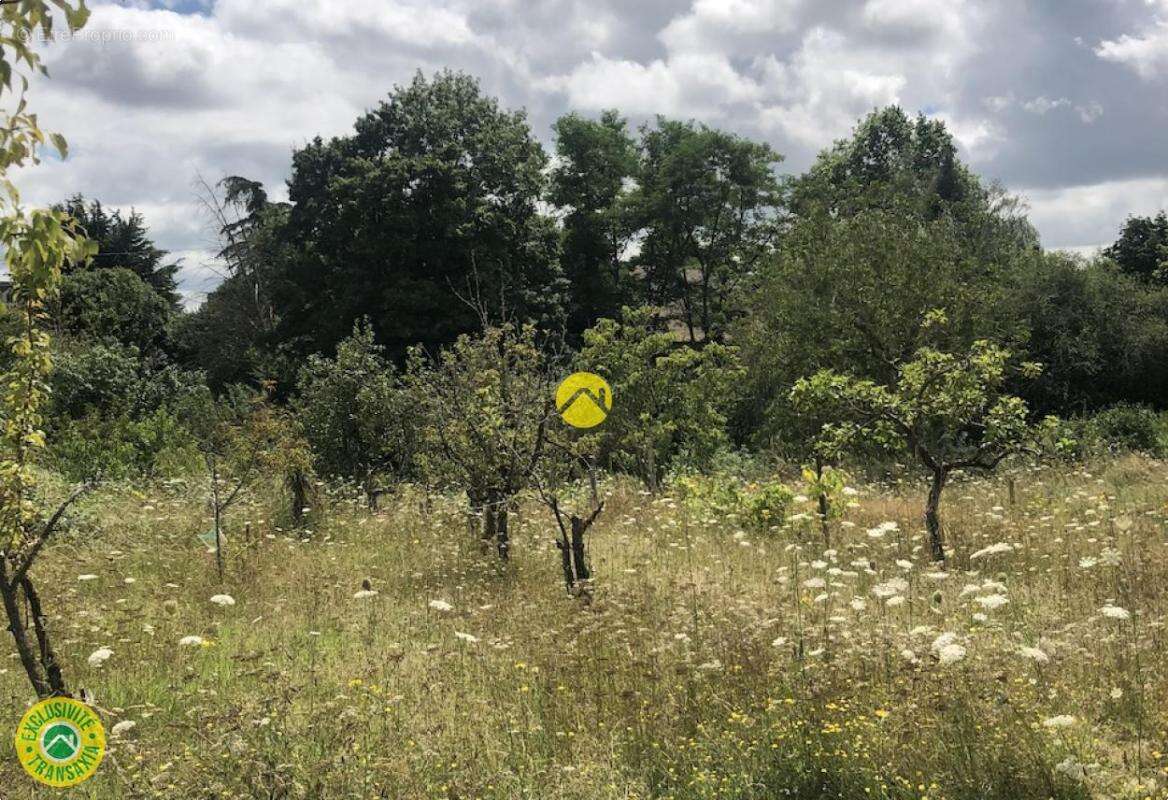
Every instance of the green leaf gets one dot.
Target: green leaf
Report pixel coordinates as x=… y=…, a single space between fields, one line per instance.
x=60 y=143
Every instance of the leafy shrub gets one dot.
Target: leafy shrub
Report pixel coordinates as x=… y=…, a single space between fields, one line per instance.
x=718 y=494
x=1126 y=426
x=767 y=505
x=120 y=447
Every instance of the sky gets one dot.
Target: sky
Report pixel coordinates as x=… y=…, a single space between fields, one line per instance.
x=1064 y=102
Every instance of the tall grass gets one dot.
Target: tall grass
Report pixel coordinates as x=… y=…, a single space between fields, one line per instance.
x=713 y=661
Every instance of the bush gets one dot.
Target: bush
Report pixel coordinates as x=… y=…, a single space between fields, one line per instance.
x=767 y=505
x=1126 y=426
x=120 y=447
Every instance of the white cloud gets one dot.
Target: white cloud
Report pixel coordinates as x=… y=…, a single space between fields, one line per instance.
x=1145 y=52
x=1084 y=218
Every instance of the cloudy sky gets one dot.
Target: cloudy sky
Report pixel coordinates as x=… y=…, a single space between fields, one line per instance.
x=1063 y=101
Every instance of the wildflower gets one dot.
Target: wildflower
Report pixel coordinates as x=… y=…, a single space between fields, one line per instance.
x=1111 y=557
x=191 y=641
x=87 y=577
x=1034 y=654
x=888 y=589
x=466 y=637
x=992 y=550
x=99 y=656
x=125 y=726
x=1071 y=768
x=365 y=594
x=895 y=601
x=1116 y=693
x=779 y=642
x=905 y=565
x=1060 y=721
x=223 y=600
x=992 y=601
x=441 y=605
x=814 y=583
x=1115 y=612
x=947 y=650
x=1087 y=562
x=858 y=604
x=950 y=654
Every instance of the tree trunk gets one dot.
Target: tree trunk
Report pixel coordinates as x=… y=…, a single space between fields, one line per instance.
x=28 y=659
x=824 y=508
x=48 y=657
x=933 y=515
x=573 y=554
x=299 y=485
x=579 y=556
x=502 y=537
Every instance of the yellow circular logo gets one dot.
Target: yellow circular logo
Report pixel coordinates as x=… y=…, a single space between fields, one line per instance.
x=584 y=400
x=60 y=742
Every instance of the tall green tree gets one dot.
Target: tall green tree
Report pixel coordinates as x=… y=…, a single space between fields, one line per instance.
x=591 y=183
x=1142 y=247
x=707 y=204
x=1100 y=331
x=124 y=241
x=235 y=336
x=891 y=160
x=432 y=201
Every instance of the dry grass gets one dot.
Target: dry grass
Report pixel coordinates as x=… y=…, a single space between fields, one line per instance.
x=713 y=662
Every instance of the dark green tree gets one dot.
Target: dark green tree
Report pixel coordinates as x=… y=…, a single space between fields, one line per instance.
x=124 y=241
x=1101 y=332
x=113 y=304
x=1142 y=247
x=707 y=205
x=433 y=198
x=596 y=164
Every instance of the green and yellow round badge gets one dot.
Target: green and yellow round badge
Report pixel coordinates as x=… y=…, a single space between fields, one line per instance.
x=584 y=400
x=60 y=742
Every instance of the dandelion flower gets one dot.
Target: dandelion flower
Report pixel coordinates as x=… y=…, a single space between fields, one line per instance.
x=223 y=600
x=99 y=656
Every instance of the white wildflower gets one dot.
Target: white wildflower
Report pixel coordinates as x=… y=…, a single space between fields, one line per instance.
x=441 y=605
x=223 y=600
x=87 y=577
x=1034 y=654
x=365 y=594
x=992 y=601
x=1115 y=612
x=99 y=656
x=992 y=550
x=1060 y=721
x=191 y=641
x=125 y=726
x=466 y=637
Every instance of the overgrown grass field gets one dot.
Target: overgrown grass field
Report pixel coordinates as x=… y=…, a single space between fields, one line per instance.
x=711 y=661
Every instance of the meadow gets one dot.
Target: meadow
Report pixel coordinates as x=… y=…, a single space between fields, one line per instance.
x=708 y=662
